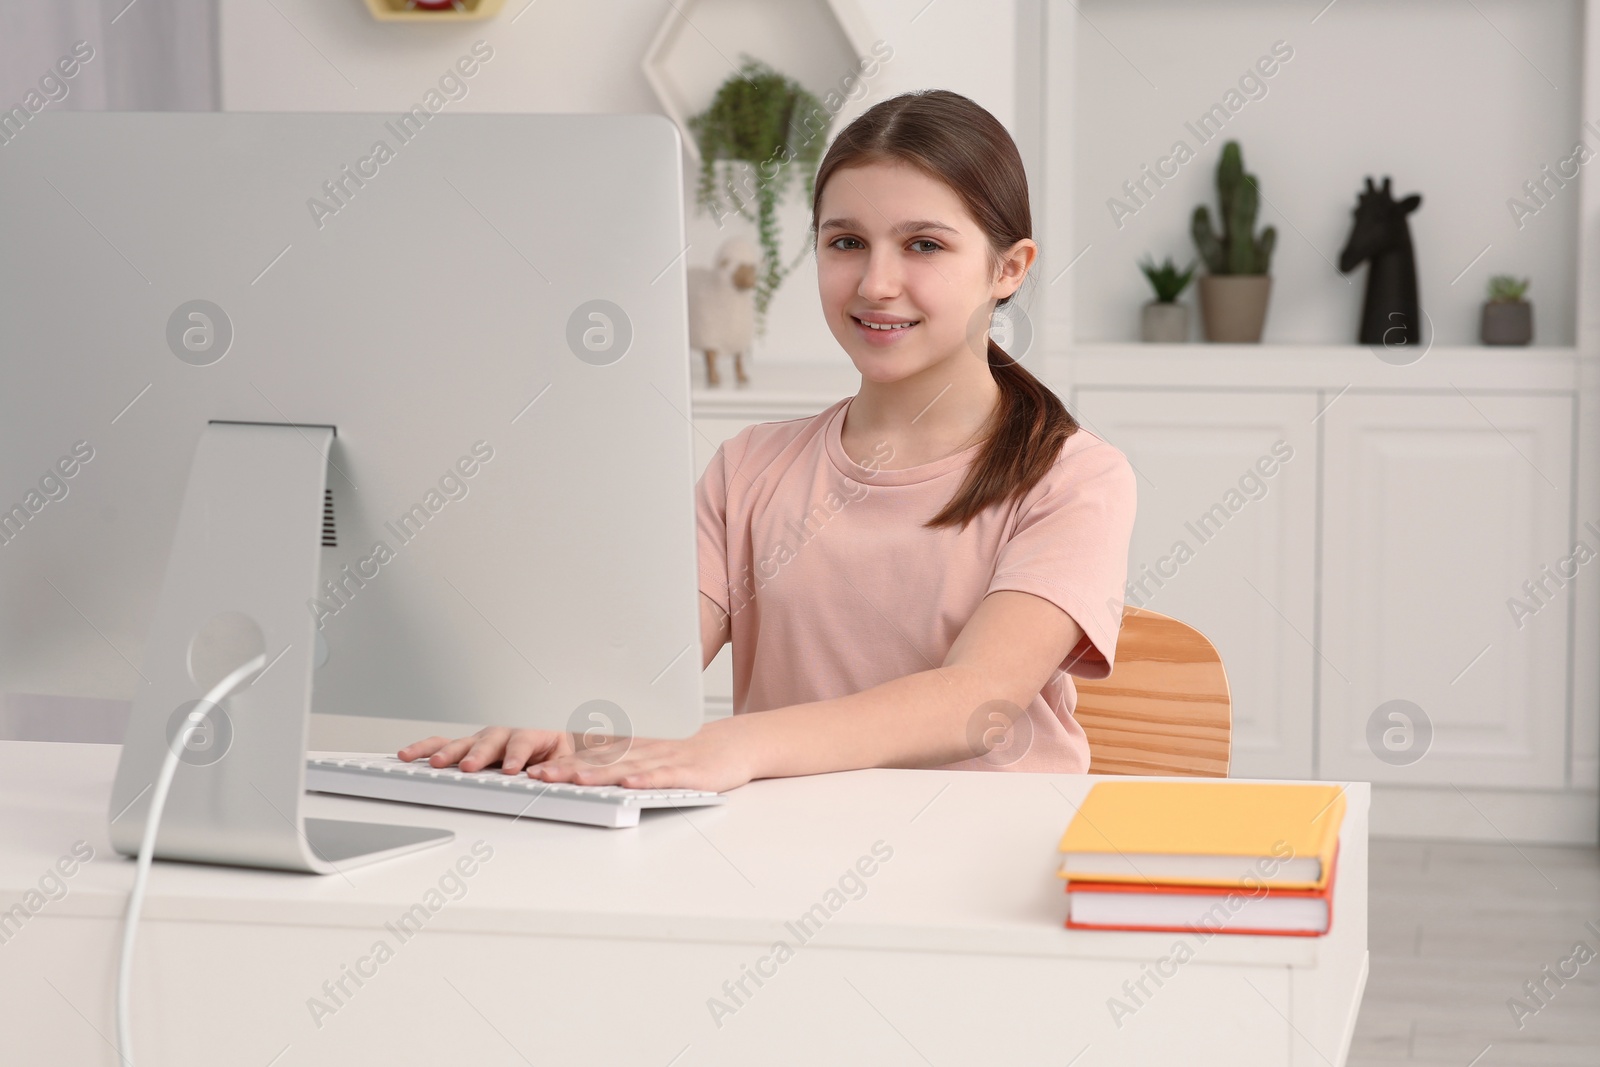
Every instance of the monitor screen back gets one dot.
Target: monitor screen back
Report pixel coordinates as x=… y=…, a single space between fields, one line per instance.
x=489 y=308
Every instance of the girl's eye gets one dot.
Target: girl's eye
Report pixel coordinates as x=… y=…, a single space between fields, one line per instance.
x=835 y=242
x=926 y=241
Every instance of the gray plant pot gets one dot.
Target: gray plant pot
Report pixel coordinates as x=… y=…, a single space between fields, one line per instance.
x=1233 y=307
x=1507 y=322
x=1166 y=324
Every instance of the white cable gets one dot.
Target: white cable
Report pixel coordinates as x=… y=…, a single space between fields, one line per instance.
x=158 y=801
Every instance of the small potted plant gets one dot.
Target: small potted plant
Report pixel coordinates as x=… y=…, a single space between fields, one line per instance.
x=774 y=126
x=1164 y=320
x=1233 y=295
x=1507 y=318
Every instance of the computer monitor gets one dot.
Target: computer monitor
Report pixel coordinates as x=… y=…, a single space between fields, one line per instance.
x=402 y=400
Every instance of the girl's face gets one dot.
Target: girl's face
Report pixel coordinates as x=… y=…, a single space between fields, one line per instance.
x=897 y=248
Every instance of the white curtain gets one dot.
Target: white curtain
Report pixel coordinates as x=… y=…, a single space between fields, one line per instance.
x=147 y=55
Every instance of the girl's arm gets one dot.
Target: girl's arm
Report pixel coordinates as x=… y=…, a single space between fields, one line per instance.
x=997 y=665
x=716 y=628
x=999 y=662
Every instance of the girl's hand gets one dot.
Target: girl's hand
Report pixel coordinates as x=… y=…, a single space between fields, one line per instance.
x=512 y=749
x=716 y=758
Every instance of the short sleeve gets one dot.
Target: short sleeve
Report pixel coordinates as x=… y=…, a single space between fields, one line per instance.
x=711 y=520
x=1070 y=546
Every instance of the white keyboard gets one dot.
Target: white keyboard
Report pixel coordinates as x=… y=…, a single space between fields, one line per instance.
x=381 y=777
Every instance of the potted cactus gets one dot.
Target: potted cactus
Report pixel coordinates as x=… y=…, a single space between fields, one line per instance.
x=1233 y=295
x=1164 y=320
x=1507 y=318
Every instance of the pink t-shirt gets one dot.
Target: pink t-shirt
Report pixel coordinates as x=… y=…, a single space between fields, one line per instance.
x=835 y=587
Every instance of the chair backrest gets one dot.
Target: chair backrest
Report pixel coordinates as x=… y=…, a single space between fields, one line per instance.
x=1164 y=708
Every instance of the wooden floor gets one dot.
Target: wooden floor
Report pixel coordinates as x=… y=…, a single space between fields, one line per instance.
x=1456 y=929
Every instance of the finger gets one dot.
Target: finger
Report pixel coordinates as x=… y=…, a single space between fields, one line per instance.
x=574 y=769
x=520 y=746
x=602 y=774
x=553 y=769
x=655 y=776
x=487 y=746
x=551 y=762
x=626 y=748
x=605 y=753
x=426 y=747
x=452 y=751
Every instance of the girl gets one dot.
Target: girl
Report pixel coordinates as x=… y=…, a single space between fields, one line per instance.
x=908 y=576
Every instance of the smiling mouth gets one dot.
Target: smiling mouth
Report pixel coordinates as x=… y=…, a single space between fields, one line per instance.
x=887 y=326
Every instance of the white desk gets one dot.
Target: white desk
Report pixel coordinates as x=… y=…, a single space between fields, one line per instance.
x=575 y=945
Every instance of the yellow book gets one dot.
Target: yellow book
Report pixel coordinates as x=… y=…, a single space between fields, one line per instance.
x=1248 y=834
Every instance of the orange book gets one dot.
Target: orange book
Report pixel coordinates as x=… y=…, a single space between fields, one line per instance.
x=1200 y=909
x=1205 y=832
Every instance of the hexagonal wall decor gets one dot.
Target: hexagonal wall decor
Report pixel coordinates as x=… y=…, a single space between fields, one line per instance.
x=818 y=43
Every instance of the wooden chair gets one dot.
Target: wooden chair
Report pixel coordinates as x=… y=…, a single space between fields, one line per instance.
x=1165 y=707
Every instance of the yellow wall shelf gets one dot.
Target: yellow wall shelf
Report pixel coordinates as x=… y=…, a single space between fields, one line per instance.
x=397 y=11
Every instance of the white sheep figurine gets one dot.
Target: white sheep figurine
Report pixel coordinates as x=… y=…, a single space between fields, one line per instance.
x=722 y=314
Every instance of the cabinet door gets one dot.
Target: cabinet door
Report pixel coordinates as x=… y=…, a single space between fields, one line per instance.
x=1438 y=508
x=1227 y=547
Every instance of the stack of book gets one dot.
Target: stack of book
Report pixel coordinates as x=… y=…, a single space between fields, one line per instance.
x=1203 y=857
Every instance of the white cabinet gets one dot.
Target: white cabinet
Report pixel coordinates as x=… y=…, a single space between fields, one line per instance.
x=1407 y=648
x=1438 y=508
x=1224 y=540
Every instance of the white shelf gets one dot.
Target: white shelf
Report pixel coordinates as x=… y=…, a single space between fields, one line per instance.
x=1290 y=366
x=789 y=390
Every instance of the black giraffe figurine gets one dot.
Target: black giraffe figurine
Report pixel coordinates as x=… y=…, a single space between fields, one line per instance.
x=1390 y=315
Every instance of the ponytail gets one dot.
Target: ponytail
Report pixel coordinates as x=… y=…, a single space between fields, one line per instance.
x=1031 y=425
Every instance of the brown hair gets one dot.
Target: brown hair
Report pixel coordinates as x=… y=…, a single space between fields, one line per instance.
x=954 y=140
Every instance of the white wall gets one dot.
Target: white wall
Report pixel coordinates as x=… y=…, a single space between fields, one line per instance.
x=1462 y=103
x=330 y=55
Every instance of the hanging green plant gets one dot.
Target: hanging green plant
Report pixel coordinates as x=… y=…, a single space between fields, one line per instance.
x=772 y=125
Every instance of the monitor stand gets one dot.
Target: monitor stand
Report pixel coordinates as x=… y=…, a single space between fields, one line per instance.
x=245 y=563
